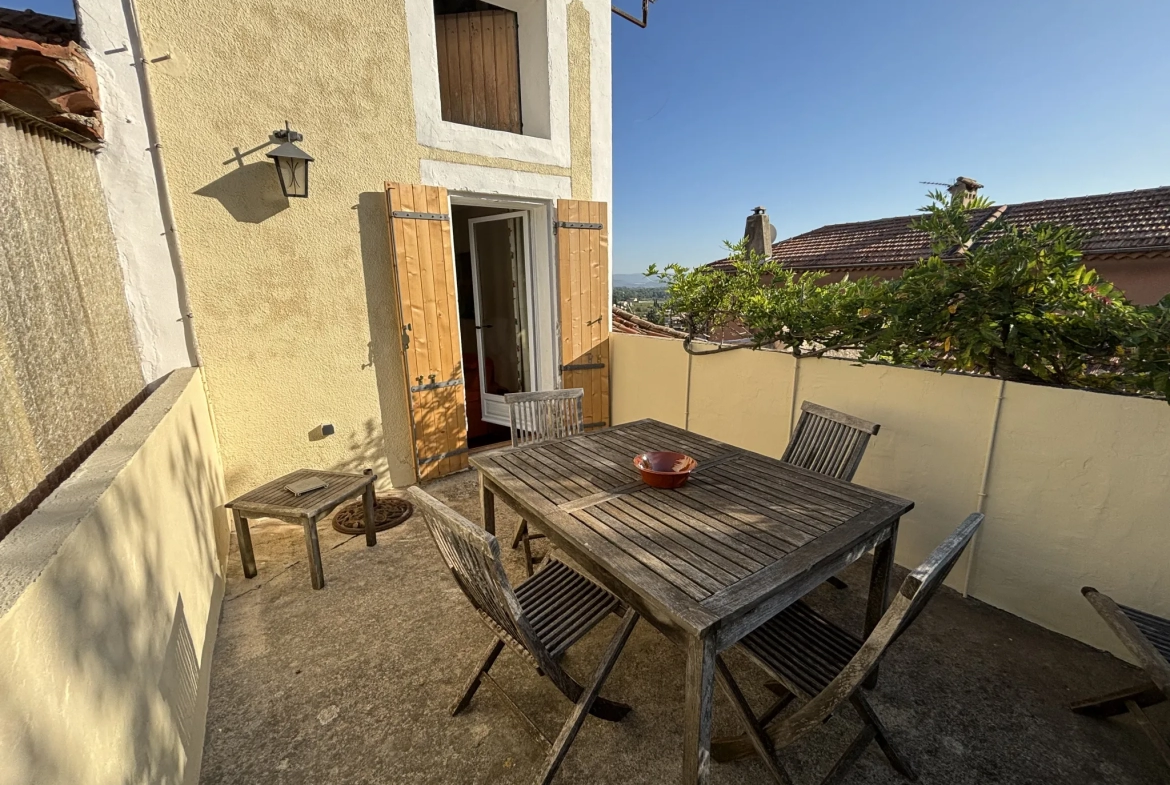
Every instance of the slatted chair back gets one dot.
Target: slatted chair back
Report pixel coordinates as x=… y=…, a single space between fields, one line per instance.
x=545 y=416
x=473 y=556
x=919 y=586
x=829 y=442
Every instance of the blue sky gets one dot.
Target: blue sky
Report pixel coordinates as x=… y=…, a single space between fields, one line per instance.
x=834 y=110
x=54 y=7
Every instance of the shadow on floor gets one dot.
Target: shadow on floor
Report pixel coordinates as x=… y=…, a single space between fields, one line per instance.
x=351 y=684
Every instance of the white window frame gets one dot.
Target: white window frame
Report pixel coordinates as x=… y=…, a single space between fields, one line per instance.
x=544 y=86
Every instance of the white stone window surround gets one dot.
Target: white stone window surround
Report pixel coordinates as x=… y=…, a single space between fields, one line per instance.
x=544 y=86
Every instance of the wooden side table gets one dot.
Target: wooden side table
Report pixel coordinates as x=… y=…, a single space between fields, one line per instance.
x=273 y=500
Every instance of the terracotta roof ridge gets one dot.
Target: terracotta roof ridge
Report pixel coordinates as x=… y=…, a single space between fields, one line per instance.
x=845 y=223
x=1134 y=191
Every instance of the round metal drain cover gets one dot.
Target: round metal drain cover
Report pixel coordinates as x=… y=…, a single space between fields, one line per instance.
x=388 y=513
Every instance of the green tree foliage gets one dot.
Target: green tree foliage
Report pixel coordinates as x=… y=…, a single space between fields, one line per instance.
x=1006 y=301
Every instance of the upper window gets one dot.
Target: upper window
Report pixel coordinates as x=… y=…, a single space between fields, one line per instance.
x=479 y=64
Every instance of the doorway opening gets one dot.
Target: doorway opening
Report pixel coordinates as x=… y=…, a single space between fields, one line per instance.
x=493 y=273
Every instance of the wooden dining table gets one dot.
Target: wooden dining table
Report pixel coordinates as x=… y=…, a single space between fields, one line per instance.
x=706 y=563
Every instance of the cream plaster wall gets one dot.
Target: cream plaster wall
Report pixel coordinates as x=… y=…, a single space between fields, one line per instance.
x=743 y=399
x=1077 y=487
x=109 y=601
x=931 y=448
x=1080 y=486
x=293 y=302
x=648 y=379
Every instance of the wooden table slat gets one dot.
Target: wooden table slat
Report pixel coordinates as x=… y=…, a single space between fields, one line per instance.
x=753 y=552
x=685 y=544
x=619 y=473
x=667 y=553
x=743 y=559
x=554 y=491
x=785 y=500
x=646 y=553
x=752 y=527
x=275 y=500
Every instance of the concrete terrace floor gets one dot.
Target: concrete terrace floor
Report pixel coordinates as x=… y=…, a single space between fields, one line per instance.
x=351 y=684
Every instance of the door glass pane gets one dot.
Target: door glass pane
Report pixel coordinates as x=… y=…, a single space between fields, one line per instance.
x=503 y=305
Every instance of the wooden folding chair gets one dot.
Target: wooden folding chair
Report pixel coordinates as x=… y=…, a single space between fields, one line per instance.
x=829 y=442
x=539 y=620
x=542 y=417
x=813 y=658
x=1148 y=638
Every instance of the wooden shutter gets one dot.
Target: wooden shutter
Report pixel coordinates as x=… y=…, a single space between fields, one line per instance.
x=583 y=272
x=424 y=277
x=479 y=69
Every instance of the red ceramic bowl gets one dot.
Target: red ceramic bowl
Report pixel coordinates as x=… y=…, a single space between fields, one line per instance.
x=665 y=469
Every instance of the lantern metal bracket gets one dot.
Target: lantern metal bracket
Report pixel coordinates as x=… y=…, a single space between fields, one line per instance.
x=287 y=134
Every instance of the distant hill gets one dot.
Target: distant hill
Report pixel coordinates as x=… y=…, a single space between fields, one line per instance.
x=635 y=281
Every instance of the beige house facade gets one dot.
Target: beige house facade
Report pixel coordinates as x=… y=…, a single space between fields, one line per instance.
x=295 y=302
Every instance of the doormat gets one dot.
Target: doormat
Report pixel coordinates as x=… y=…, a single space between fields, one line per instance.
x=388 y=513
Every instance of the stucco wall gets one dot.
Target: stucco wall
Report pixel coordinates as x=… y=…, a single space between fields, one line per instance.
x=1076 y=488
x=293 y=302
x=109 y=600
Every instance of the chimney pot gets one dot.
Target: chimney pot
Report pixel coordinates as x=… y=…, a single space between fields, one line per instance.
x=964 y=188
x=758 y=233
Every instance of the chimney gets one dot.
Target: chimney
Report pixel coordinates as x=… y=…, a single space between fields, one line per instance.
x=759 y=233
x=964 y=189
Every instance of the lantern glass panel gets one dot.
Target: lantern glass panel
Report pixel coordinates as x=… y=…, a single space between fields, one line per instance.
x=294 y=176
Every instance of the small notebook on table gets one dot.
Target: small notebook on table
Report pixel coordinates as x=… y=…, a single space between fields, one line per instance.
x=307 y=485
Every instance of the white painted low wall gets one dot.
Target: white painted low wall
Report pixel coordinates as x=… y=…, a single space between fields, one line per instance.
x=109 y=600
x=1077 y=486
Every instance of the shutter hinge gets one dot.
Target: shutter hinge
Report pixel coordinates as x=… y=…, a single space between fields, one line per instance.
x=420 y=216
x=576 y=225
x=441 y=456
x=420 y=387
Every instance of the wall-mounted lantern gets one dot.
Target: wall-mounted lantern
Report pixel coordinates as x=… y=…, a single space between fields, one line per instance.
x=292 y=164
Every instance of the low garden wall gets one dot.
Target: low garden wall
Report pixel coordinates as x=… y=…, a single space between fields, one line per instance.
x=109 y=599
x=1075 y=484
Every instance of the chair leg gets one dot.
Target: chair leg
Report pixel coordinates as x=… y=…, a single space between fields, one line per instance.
x=1113 y=703
x=588 y=696
x=521 y=530
x=757 y=737
x=882 y=737
x=473 y=683
x=527 y=552
x=728 y=748
x=837 y=583
x=774 y=710
x=1144 y=722
x=850 y=756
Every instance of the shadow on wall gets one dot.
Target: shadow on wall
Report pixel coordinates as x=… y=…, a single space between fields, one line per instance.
x=385 y=337
x=116 y=628
x=250 y=192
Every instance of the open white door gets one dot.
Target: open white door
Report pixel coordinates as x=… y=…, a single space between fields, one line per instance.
x=501 y=271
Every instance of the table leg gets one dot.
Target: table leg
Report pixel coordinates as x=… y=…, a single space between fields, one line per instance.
x=488 y=500
x=371 y=521
x=880 y=578
x=316 y=570
x=700 y=703
x=244 y=540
